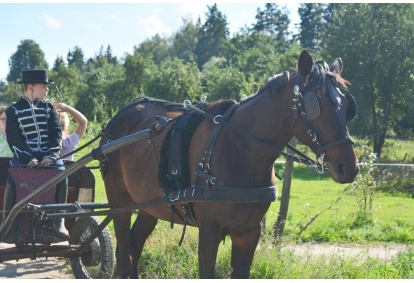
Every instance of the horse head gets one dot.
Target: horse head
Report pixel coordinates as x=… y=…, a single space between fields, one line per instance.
x=323 y=107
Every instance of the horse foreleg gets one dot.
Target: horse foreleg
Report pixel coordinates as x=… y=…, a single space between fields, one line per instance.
x=208 y=241
x=122 y=222
x=142 y=228
x=242 y=252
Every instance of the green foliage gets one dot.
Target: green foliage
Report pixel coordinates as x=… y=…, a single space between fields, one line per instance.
x=364 y=186
x=28 y=56
x=311 y=25
x=260 y=61
x=274 y=22
x=76 y=58
x=375 y=49
x=403 y=264
x=139 y=71
x=68 y=84
x=212 y=36
x=184 y=41
x=175 y=81
x=96 y=101
x=12 y=92
x=224 y=83
x=157 y=48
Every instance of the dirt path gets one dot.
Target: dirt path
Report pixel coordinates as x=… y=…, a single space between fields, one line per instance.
x=41 y=268
x=361 y=251
x=55 y=268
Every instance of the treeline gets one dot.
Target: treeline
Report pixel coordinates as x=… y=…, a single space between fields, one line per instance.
x=375 y=42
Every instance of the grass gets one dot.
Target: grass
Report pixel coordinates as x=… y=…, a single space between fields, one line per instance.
x=311 y=194
x=309 y=197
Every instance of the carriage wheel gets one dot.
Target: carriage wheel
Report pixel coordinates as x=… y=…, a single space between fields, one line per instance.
x=98 y=262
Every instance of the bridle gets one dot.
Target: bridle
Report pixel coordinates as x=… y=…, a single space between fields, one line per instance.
x=306 y=106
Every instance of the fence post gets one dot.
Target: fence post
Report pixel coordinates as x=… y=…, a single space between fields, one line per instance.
x=284 y=200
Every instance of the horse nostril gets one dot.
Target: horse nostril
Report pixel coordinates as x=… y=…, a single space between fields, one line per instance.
x=347 y=172
x=341 y=170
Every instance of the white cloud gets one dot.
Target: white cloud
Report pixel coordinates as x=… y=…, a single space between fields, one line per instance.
x=52 y=23
x=152 y=25
x=113 y=17
x=93 y=27
x=194 y=10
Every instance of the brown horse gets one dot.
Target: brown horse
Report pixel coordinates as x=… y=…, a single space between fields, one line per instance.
x=308 y=104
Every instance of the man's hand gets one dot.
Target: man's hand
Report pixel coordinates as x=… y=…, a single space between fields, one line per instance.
x=33 y=163
x=47 y=162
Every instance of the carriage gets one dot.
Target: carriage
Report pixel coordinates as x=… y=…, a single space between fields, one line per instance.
x=208 y=166
x=32 y=230
x=29 y=226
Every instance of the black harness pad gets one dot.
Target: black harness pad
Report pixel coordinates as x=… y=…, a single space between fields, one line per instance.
x=173 y=169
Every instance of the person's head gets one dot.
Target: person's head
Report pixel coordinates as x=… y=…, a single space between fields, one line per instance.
x=35 y=84
x=64 y=121
x=3 y=118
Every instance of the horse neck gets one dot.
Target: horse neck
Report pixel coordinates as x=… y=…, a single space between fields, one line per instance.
x=268 y=116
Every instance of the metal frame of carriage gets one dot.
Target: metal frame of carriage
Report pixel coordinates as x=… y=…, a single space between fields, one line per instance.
x=90 y=247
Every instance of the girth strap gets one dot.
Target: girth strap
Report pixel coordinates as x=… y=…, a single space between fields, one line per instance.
x=224 y=194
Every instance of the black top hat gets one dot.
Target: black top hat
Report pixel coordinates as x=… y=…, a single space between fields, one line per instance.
x=35 y=77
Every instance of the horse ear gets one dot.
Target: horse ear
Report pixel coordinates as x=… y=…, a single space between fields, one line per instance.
x=305 y=63
x=336 y=66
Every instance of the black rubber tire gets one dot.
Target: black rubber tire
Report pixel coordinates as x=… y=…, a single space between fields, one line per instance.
x=99 y=262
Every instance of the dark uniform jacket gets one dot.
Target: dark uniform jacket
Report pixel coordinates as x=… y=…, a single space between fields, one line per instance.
x=33 y=130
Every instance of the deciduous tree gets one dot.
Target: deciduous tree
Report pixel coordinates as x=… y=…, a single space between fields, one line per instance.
x=376 y=43
x=28 y=56
x=212 y=36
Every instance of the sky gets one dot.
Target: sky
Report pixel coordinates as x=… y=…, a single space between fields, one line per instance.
x=58 y=28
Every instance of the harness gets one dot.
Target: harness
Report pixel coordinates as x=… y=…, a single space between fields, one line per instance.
x=306 y=107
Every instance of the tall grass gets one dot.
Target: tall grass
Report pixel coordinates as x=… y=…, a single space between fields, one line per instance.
x=163 y=258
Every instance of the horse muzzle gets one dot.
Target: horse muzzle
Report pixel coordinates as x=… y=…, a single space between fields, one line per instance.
x=344 y=172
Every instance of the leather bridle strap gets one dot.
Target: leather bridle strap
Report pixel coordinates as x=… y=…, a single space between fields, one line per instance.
x=331 y=144
x=222 y=121
x=300 y=111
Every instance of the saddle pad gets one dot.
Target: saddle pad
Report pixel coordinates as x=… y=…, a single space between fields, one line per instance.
x=173 y=170
x=28 y=180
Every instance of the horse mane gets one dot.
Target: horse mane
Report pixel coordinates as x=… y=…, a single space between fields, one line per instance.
x=218 y=107
x=340 y=80
x=275 y=83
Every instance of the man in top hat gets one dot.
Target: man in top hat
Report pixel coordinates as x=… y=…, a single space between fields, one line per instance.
x=34 y=135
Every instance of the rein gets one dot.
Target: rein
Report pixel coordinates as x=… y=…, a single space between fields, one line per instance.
x=222 y=121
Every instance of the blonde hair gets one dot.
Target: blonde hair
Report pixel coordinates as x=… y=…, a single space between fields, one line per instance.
x=2 y=109
x=64 y=121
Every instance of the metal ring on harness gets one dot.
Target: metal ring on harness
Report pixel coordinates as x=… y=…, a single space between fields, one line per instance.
x=186 y=103
x=215 y=119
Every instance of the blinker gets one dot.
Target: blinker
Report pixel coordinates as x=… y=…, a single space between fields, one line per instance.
x=334 y=94
x=336 y=97
x=351 y=111
x=311 y=105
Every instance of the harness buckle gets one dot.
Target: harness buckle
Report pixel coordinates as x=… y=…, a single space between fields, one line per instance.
x=312 y=134
x=175 y=198
x=320 y=167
